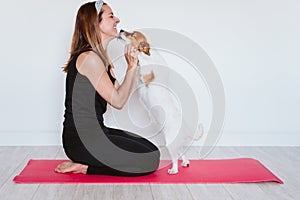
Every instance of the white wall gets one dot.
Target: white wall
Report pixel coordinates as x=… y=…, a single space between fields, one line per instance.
x=254 y=45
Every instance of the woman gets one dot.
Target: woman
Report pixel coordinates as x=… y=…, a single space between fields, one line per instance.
x=92 y=147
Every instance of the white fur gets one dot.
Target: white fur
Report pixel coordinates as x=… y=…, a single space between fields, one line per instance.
x=169 y=117
x=158 y=102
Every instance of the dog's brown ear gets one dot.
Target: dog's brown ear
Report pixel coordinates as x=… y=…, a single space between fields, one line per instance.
x=144 y=47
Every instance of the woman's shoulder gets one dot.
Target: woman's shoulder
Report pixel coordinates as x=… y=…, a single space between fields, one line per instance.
x=89 y=61
x=90 y=55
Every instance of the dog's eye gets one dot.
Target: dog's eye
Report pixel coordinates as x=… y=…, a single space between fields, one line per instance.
x=132 y=35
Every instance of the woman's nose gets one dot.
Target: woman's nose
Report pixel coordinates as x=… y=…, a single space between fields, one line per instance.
x=117 y=20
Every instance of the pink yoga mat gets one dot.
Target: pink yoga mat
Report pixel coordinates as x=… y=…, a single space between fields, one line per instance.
x=240 y=170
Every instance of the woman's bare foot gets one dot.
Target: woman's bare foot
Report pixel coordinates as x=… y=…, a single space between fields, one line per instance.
x=71 y=167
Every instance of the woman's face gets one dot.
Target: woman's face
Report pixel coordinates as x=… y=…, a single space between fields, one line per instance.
x=108 y=24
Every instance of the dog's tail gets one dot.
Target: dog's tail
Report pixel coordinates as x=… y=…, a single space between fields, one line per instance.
x=199 y=132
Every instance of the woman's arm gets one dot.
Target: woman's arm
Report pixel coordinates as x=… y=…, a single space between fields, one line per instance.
x=90 y=65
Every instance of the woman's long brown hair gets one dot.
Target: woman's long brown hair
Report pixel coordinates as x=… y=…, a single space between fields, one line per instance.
x=86 y=35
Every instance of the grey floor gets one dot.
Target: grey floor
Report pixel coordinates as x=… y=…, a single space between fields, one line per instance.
x=283 y=161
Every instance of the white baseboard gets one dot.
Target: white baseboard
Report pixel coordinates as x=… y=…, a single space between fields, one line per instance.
x=260 y=139
x=243 y=139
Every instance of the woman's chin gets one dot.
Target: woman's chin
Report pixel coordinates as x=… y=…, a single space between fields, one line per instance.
x=112 y=36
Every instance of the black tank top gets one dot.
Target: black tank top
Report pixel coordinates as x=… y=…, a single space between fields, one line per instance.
x=82 y=97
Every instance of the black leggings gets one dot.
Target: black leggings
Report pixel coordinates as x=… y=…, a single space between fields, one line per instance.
x=77 y=152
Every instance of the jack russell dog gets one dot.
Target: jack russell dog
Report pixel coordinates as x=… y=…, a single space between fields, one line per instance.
x=155 y=95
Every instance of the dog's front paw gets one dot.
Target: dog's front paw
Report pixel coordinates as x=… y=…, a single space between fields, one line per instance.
x=185 y=163
x=172 y=171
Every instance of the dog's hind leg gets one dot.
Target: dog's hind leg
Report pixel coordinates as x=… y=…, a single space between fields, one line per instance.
x=185 y=161
x=174 y=169
x=174 y=157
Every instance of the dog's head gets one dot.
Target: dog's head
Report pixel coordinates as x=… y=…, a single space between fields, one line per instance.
x=136 y=39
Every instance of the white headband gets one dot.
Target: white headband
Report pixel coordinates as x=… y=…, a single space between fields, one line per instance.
x=98 y=5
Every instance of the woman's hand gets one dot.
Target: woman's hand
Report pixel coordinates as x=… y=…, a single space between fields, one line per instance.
x=131 y=55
